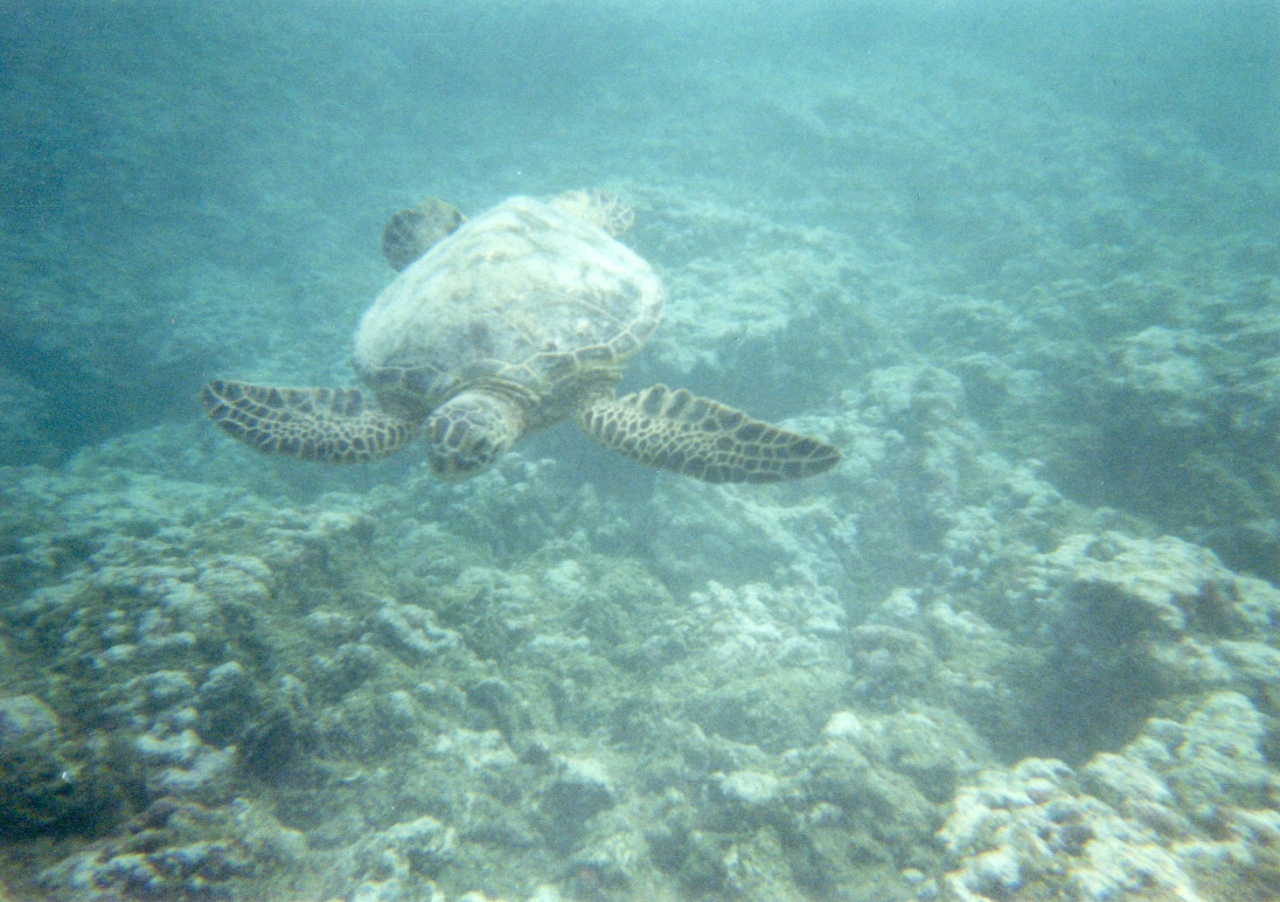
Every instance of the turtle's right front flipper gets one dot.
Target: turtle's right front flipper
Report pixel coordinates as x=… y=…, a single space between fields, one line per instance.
x=336 y=425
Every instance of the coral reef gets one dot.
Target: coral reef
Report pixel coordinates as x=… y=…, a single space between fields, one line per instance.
x=1186 y=811
x=425 y=690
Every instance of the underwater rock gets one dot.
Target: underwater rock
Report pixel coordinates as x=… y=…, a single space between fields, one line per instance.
x=846 y=770
x=158 y=691
x=1162 y=380
x=365 y=724
x=768 y=663
x=924 y=405
x=236 y=577
x=1218 y=761
x=1137 y=620
x=409 y=628
x=1162 y=587
x=824 y=815
x=748 y=788
x=817 y=818
x=890 y=662
x=41 y=793
x=509 y=712
x=332 y=627
x=611 y=862
x=179 y=764
x=26 y=724
x=178 y=850
x=731 y=535
x=484 y=752
x=1019 y=512
x=934 y=747
x=580 y=790
x=227 y=700
x=399 y=863
x=755 y=623
x=939 y=658
x=265 y=726
x=1027 y=831
x=345 y=670
x=1165 y=814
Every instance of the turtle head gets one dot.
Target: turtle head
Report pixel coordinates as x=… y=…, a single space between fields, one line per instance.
x=470 y=432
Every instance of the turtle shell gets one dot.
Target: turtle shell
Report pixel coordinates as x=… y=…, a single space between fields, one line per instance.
x=527 y=296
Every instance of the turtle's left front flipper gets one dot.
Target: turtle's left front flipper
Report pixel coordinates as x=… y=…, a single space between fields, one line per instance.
x=337 y=425
x=677 y=431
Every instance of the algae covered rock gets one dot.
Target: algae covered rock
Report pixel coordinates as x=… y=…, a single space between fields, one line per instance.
x=1164 y=586
x=42 y=792
x=1165 y=814
x=1027 y=831
x=398 y=862
x=581 y=789
x=181 y=850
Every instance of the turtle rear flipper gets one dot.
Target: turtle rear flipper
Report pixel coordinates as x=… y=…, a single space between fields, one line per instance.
x=413 y=232
x=677 y=431
x=330 y=424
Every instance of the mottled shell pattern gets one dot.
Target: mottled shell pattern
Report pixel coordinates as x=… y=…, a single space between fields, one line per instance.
x=529 y=297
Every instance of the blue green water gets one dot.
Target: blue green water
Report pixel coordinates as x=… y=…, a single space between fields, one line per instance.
x=1020 y=262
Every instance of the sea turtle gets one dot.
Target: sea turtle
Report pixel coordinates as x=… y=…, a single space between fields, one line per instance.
x=517 y=319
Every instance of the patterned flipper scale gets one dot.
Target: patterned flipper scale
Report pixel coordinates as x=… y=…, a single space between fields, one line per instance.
x=327 y=424
x=678 y=431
